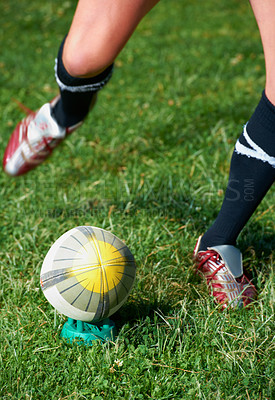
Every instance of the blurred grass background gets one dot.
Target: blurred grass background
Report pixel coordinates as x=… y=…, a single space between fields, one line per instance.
x=151 y=165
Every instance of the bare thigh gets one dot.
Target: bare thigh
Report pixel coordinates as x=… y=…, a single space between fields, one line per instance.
x=99 y=31
x=265 y=15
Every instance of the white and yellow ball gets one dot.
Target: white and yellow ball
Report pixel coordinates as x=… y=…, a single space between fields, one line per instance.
x=87 y=274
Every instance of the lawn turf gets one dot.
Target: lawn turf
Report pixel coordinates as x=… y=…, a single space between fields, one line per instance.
x=151 y=165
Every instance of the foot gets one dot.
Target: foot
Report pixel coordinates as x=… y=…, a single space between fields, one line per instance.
x=222 y=268
x=33 y=140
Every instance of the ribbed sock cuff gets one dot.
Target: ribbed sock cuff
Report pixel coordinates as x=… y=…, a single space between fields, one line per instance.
x=73 y=84
x=261 y=126
x=263 y=114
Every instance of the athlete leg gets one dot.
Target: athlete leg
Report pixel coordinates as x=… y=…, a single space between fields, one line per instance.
x=264 y=12
x=252 y=167
x=99 y=31
x=253 y=160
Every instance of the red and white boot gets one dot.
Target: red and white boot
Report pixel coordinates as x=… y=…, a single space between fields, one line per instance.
x=222 y=268
x=33 y=140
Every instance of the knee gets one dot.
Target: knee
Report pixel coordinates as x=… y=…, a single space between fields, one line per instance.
x=84 y=61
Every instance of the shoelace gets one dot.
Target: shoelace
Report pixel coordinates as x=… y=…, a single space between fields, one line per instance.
x=45 y=141
x=214 y=257
x=247 y=289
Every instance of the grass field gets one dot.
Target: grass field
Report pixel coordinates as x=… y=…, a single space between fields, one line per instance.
x=151 y=165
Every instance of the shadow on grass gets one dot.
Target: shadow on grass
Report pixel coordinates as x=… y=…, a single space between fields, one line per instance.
x=178 y=207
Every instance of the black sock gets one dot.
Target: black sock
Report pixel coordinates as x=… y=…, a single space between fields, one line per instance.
x=252 y=173
x=76 y=94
